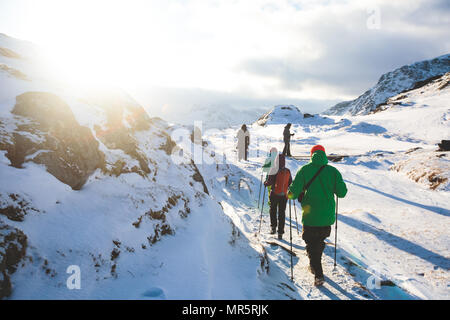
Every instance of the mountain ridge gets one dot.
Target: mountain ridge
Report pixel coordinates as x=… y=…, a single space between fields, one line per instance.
x=391 y=84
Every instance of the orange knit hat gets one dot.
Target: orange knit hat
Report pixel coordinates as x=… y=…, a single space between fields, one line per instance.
x=316 y=148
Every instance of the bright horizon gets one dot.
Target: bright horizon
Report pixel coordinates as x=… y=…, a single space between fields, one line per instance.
x=309 y=53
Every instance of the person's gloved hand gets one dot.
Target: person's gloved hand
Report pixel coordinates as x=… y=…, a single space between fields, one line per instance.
x=290 y=195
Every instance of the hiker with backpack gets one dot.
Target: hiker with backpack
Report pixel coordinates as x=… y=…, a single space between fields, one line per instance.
x=287 y=140
x=270 y=167
x=315 y=185
x=279 y=184
x=243 y=137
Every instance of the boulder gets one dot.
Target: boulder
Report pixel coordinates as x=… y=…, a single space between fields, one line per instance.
x=69 y=151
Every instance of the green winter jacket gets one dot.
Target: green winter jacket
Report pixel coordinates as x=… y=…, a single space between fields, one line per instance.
x=318 y=203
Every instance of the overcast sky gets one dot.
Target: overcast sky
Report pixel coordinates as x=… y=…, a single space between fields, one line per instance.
x=310 y=53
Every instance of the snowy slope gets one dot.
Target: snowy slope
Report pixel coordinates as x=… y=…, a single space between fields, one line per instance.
x=391 y=84
x=88 y=180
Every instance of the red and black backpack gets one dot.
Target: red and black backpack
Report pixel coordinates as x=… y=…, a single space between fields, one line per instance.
x=282 y=182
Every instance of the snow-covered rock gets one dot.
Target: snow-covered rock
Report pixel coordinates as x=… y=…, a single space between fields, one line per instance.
x=13 y=244
x=52 y=137
x=435 y=86
x=391 y=84
x=429 y=168
x=16 y=49
x=281 y=114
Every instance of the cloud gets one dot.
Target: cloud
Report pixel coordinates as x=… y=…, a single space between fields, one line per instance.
x=311 y=53
x=266 y=50
x=351 y=57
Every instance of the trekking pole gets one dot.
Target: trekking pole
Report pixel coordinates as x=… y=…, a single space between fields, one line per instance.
x=335 y=232
x=260 y=186
x=296 y=222
x=290 y=233
x=262 y=208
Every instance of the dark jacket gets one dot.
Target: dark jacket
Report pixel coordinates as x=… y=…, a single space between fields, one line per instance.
x=287 y=134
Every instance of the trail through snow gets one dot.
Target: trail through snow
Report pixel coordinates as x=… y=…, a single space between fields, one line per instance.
x=393 y=240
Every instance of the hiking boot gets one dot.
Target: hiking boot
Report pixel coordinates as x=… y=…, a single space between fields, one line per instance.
x=273 y=231
x=280 y=236
x=319 y=281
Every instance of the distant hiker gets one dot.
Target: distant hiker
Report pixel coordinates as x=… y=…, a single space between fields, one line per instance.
x=243 y=137
x=318 y=205
x=279 y=184
x=287 y=140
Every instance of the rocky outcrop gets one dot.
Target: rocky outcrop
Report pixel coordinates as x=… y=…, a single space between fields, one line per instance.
x=124 y=117
x=53 y=138
x=13 y=72
x=426 y=167
x=15 y=207
x=13 y=245
x=338 y=109
x=431 y=86
x=444 y=145
x=8 y=53
x=392 y=83
x=198 y=177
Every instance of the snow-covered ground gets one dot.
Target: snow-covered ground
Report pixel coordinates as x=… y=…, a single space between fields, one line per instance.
x=391 y=228
x=143 y=226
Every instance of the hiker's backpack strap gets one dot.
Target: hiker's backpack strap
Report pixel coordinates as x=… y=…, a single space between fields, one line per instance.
x=302 y=194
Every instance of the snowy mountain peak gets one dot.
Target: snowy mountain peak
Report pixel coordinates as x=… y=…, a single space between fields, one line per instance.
x=432 y=87
x=391 y=84
x=281 y=114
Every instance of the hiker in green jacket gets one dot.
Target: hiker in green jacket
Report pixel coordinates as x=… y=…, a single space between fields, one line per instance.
x=318 y=205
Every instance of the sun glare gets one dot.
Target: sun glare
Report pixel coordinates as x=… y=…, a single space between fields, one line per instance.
x=144 y=44
x=101 y=42
x=148 y=43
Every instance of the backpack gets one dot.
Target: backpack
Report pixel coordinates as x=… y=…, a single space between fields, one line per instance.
x=282 y=182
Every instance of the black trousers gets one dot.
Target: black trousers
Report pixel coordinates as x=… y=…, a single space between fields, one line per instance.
x=314 y=238
x=287 y=149
x=277 y=205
